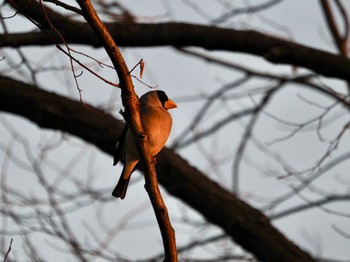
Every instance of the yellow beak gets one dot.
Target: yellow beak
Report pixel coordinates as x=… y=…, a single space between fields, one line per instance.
x=169 y=104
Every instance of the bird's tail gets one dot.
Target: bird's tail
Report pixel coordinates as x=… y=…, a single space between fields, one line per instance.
x=122 y=186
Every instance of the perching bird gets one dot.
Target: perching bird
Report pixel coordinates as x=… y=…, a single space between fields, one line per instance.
x=156 y=122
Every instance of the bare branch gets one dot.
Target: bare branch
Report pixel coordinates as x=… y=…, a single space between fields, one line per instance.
x=341 y=40
x=247 y=133
x=272 y=49
x=247 y=10
x=311 y=204
x=8 y=251
x=244 y=224
x=65 y=6
x=132 y=116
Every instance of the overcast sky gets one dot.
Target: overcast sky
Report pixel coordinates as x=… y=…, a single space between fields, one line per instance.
x=182 y=76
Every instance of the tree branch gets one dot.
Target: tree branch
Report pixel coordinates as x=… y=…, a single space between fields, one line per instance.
x=341 y=42
x=244 y=224
x=273 y=49
x=8 y=251
x=132 y=116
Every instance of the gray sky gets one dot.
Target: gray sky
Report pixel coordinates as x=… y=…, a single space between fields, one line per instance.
x=180 y=76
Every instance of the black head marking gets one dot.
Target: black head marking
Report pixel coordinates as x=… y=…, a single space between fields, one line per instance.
x=162 y=96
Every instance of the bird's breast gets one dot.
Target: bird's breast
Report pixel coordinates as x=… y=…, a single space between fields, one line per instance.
x=158 y=130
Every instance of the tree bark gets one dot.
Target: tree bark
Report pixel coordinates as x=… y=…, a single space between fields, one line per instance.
x=245 y=225
x=132 y=116
x=273 y=49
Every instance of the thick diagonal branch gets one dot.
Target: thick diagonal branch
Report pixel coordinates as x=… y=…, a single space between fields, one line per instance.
x=245 y=225
x=132 y=116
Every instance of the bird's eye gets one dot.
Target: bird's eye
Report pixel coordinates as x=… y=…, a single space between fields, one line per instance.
x=162 y=96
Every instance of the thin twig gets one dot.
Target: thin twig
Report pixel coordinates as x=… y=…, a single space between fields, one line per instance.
x=248 y=131
x=8 y=251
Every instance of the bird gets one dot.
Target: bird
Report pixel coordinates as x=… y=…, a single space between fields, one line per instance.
x=156 y=122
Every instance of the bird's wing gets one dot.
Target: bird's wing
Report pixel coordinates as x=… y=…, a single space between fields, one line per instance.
x=118 y=153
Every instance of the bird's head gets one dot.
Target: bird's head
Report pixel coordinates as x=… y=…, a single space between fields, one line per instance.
x=156 y=97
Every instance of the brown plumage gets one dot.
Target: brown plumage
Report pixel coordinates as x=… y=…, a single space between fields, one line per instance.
x=156 y=122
